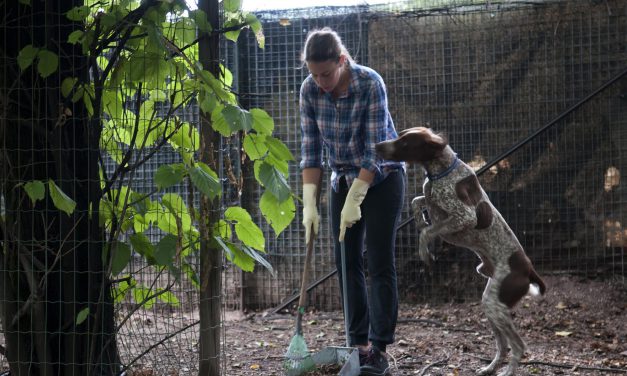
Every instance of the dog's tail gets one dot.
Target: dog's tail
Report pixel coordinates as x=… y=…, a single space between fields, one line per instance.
x=537 y=286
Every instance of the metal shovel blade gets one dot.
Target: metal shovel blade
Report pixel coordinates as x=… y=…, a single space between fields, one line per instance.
x=348 y=357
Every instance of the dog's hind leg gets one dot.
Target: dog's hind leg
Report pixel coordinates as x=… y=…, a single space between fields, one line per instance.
x=515 y=343
x=491 y=308
x=501 y=344
x=501 y=321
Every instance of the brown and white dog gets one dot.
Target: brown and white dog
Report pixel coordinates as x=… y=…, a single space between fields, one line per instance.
x=462 y=215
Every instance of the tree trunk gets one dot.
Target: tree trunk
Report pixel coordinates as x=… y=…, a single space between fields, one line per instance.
x=210 y=252
x=51 y=264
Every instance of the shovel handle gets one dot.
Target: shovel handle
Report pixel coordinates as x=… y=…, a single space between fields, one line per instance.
x=304 y=281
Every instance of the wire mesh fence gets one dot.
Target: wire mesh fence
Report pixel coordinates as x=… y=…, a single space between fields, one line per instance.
x=487 y=75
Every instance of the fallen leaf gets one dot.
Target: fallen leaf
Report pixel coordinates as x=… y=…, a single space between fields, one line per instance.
x=563 y=333
x=561 y=305
x=255 y=366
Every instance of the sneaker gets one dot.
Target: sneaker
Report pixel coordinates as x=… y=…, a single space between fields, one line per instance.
x=363 y=355
x=374 y=364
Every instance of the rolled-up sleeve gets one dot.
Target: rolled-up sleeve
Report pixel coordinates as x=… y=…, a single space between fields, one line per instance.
x=377 y=119
x=311 y=144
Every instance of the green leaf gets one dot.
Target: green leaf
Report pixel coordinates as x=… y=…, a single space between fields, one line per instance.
x=140 y=294
x=278 y=149
x=205 y=180
x=262 y=122
x=78 y=13
x=166 y=221
x=280 y=164
x=232 y=5
x=278 y=214
x=237 y=118
x=247 y=231
x=168 y=297
x=236 y=255
x=184 y=31
x=256 y=27
x=218 y=122
x=200 y=18
x=75 y=36
x=169 y=175
x=141 y=203
x=186 y=137
x=223 y=229
x=274 y=181
x=176 y=206
x=121 y=254
x=191 y=274
x=25 y=2
x=122 y=289
x=226 y=75
x=157 y=95
x=232 y=35
x=214 y=85
x=26 y=57
x=60 y=200
x=142 y=245
x=207 y=101
x=48 y=62
x=165 y=251
x=88 y=105
x=259 y=258
x=255 y=146
x=67 y=85
x=82 y=315
x=36 y=190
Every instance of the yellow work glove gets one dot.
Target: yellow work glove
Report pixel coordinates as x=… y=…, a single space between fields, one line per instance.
x=311 y=218
x=351 y=213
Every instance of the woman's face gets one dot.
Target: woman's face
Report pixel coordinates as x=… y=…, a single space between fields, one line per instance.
x=326 y=74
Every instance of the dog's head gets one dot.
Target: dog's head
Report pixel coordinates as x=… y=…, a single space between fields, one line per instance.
x=417 y=145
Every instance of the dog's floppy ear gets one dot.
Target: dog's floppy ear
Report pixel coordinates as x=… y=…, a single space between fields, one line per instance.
x=412 y=129
x=405 y=131
x=437 y=139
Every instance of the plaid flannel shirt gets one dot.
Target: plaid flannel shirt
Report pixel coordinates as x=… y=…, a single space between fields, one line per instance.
x=349 y=126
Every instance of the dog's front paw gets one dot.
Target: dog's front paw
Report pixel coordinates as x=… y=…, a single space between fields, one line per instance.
x=423 y=247
x=420 y=212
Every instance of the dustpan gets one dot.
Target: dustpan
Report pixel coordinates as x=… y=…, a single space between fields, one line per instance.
x=347 y=357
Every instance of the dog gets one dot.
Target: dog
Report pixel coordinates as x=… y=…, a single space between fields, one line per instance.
x=462 y=215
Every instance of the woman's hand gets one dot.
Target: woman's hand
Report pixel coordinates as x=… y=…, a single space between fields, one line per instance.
x=351 y=213
x=311 y=218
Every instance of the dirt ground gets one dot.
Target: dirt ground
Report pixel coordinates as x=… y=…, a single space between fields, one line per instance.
x=578 y=328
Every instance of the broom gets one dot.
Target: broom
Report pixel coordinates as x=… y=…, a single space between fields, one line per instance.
x=298 y=358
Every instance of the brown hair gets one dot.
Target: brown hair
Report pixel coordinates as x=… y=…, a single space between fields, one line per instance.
x=322 y=45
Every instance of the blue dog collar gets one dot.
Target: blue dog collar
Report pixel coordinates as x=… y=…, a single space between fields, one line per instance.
x=445 y=172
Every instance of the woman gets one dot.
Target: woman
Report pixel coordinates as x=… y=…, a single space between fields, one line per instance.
x=343 y=106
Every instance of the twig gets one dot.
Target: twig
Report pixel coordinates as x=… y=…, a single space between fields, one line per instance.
x=441 y=361
x=560 y=365
x=153 y=346
x=438 y=324
x=573 y=366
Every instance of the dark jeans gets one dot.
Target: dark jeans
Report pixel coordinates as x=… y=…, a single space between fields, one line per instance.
x=371 y=317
